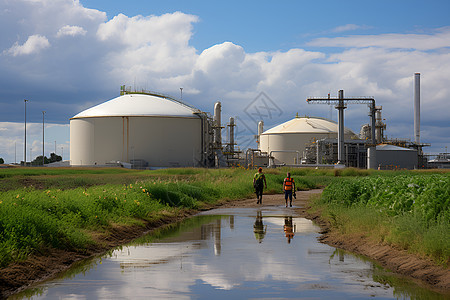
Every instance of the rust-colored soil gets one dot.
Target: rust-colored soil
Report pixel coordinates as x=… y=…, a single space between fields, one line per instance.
x=19 y=276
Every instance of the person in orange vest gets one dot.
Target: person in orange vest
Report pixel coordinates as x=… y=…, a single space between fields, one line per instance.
x=259 y=181
x=288 y=188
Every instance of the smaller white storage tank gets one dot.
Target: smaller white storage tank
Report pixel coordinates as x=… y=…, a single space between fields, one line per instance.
x=150 y=129
x=390 y=157
x=286 y=142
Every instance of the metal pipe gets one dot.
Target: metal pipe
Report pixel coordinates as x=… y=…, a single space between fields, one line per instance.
x=285 y=151
x=340 y=107
x=417 y=108
x=318 y=156
x=217 y=124
x=123 y=138
x=260 y=131
x=260 y=127
x=128 y=136
x=25 y=142
x=379 y=125
x=43 y=130
x=372 y=121
x=231 y=135
x=253 y=156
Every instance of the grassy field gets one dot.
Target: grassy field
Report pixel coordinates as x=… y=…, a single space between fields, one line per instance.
x=67 y=208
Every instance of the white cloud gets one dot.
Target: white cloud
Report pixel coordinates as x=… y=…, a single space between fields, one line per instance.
x=437 y=40
x=349 y=27
x=153 y=47
x=68 y=30
x=34 y=44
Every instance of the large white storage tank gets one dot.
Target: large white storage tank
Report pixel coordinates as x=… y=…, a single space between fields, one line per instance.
x=137 y=127
x=286 y=142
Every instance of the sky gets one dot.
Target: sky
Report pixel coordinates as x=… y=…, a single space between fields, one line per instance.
x=261 y=59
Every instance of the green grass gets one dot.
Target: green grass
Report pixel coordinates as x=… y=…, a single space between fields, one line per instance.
x=68 y=208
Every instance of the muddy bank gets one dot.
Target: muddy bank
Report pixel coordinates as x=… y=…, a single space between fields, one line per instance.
x=21 y=275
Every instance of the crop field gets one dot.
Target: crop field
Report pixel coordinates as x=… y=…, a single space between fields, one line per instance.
x=409 y=210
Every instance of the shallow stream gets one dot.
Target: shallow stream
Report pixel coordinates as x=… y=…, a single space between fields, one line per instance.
x=235 y=253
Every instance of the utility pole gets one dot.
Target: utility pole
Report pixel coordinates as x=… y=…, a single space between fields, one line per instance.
x=340 y=103
x=43 y=130
x=25 y=143
x=181 y=93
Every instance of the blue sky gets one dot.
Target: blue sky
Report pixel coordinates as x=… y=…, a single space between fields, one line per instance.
x=66 y=56
x=268 y=26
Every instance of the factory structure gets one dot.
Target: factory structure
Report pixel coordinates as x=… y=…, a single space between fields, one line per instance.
x=146 y=130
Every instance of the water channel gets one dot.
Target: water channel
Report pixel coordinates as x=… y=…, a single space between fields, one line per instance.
x=236 y=253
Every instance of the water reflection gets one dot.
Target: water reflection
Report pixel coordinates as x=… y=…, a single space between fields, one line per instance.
x=259 y=229
x=289 y=229
x=217 y=256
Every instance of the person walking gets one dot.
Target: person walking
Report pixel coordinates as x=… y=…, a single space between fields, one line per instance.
x=259 y=181
x=288 y=188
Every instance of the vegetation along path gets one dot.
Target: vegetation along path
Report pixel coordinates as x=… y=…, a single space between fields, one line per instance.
x=50 y=219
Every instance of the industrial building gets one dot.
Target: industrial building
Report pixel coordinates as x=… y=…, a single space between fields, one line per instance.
x=150 y=130
x=320 y=142
x=142 y=130
x=390 y=157
x=286 y=143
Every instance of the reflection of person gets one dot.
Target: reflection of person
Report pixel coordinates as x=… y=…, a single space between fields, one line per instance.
x=258 y=228
x=259 y=181
x=288 y=188
x=288 y=229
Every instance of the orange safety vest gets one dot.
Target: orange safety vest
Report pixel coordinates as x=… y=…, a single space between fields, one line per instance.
x=288 y=184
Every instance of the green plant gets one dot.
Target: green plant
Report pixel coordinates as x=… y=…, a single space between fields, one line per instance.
x=410 y=210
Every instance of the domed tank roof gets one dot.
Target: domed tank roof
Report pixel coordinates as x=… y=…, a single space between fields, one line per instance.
x=307 y=125
x=139 y=105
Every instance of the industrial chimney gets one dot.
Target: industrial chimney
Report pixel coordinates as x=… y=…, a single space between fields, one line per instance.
x=217 y=125
x=260 y=131
x=417 y=108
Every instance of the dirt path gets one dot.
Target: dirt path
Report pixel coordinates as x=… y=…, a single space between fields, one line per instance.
x=19 y=276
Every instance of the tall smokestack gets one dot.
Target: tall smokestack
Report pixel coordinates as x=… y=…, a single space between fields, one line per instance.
x=217 y=124
x=417 y=108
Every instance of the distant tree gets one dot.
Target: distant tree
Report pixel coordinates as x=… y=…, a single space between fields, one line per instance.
x=54 y=158
x=1 y=161
x=38 y=161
